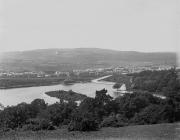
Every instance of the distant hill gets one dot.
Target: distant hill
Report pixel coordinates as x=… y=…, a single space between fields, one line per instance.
x=80 y=58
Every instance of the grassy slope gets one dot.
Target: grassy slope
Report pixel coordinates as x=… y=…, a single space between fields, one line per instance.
x=141 y=132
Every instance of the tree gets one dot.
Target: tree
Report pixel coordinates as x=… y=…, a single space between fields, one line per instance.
x=102 y=98
x=117 y=86
x=15 y=116
x=58 y=113
x=149 y=115
x=36 y=107
x=83 y=122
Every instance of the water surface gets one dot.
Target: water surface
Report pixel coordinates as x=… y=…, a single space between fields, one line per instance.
x=27 y=94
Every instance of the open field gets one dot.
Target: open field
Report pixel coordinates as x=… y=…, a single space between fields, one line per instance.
x=6 y=83
x=141 y=132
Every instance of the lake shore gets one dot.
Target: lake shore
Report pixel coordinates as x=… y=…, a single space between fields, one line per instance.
x=30 y=85
x=35 y=83
x=5 y=83
x=14 y=96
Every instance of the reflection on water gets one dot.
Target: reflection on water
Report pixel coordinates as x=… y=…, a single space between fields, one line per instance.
x=28 y=94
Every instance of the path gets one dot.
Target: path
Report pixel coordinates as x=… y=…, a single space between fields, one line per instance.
x=99 y=80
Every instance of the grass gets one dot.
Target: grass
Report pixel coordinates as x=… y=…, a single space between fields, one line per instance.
x=141 y=132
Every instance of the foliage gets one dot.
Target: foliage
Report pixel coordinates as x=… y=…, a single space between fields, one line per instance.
x=83 y=122
x=58 y=113
x=66 y=95
x=156 y=81
x=117 y=86
x=14 y=117
x=114 y=121
x=36 y=107
x=130 y=104
x=38 y=124
x=120 y=79
x=154 y=114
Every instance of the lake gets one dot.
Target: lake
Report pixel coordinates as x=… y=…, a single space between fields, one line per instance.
x=27 y=94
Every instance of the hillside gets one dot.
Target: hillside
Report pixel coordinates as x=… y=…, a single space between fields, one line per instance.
x=68 y=59
x=139 y=132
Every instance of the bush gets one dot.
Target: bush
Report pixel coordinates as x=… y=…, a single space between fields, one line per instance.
x=110 y=121
x=83 y=125
x=14 y=117
x=114 y=121
x=36 y=107
x=121 y=120
x=58 y=113
x=131 y=104
x=150 y=115
x=83 y=122
x=38 y=124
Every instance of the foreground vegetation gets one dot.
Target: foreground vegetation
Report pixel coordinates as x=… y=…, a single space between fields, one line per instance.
x=138 y=108
x=140 y=132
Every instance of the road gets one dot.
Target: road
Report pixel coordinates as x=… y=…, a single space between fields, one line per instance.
x=99 y=80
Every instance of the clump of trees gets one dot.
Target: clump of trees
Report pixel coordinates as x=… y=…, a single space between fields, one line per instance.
x=117 y=86
x=66 y=95
x=101 y=111
x=156 y=81
x=121 y=79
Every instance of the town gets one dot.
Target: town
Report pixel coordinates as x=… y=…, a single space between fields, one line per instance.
x=86 y=72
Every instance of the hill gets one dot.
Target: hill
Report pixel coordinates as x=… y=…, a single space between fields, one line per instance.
x=80 y=58
x=139 y=132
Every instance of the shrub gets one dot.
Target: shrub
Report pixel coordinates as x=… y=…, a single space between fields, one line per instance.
x=58 y=113
x=114 y=121
x=121 y=120
x=150 y=115
x=110 y=121
x=131 y=104
x=83 y=122
x=36 y=107
x=14 y=117
x=38 y=124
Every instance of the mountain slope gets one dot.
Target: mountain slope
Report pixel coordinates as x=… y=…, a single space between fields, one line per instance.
x=67 y=59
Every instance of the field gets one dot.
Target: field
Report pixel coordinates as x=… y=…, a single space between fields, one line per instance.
x=141 y=132
x=6 y=83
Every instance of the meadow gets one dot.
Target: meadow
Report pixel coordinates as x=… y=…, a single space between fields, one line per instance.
x=139 y=132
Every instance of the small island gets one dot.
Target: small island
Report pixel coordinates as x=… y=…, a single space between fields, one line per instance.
x=66 y=95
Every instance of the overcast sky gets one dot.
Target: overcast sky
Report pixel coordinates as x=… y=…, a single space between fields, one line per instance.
x=128 y=25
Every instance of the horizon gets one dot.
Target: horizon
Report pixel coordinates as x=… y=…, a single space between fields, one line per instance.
x=88 y=48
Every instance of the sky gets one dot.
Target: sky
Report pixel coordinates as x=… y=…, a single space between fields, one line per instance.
x=125 y=25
